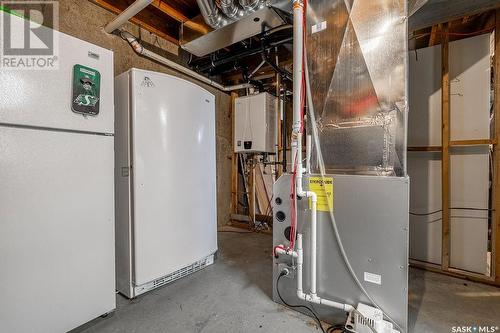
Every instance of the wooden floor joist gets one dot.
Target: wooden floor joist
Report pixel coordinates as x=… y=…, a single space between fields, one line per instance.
x=136 y=21
x=177 y=15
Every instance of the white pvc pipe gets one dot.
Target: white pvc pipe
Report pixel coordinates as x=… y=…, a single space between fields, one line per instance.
x=313 y=298
x=308 y=153
x=300 y=191
x=300 y=260
x=314 y=259
x=139 y=49
x=253 y=194
x=126 y=15
x=298 y=32
x=283 y=252
x=256 y=69
x=298 y=68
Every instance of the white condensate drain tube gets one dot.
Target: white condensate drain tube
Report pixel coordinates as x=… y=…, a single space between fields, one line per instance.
x=298 y=56
x=308 y=153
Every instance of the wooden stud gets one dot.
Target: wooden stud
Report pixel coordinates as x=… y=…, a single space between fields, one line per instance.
x=445 y=268
x=473 y=142
x=263 y=190
x=433 y=36
x=459 y=143
x=445 y=137
x=234 y=163
x=429 y=148
x=251 y=189
x=496 y=159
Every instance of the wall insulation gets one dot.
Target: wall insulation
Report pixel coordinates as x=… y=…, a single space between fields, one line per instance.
x=470 y=75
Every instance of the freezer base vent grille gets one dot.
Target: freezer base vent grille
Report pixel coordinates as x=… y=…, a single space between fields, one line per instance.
x=185 y=271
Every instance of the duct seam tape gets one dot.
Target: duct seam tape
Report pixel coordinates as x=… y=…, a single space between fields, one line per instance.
x=373 y=278
x=318 y=27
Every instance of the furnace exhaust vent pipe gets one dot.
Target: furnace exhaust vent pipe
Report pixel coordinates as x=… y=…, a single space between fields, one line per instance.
x=126 y=15
x=251 y=5
x=211 y=14
x=231 y=9
x=227 y=11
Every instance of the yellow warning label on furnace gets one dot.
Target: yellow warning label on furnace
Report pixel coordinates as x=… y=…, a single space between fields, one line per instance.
x=323 y=187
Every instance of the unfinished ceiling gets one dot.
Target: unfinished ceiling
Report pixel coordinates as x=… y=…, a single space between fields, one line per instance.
x=425 y=13
x=179 y=21
x=167 y=19
x=258 y=58
x=468 y=26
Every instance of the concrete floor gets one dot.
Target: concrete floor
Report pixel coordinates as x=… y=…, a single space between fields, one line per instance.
x=234 y=295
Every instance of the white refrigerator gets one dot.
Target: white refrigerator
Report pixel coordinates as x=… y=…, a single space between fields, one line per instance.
x=166 y=225
x=56 y=194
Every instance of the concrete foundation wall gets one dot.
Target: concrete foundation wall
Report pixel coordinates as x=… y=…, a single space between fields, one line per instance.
x=86 y=20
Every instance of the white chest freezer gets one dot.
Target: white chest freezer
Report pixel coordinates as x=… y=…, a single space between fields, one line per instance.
x=165 y=180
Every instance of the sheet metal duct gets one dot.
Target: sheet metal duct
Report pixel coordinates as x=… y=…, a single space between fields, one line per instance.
x=234 y=21
x=356 y=54
x=227 y=11
x=357 y=109
x=210 y=12
x=250 y=25
x=231 y=9
x=251 y=5
x=414 y=5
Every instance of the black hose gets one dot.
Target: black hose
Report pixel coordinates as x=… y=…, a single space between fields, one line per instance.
x=297 y=306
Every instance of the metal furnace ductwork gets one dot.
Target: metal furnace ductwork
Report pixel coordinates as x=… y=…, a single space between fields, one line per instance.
x=235 y=21
x=211 y=13
x=341 y=224
x=227 y=11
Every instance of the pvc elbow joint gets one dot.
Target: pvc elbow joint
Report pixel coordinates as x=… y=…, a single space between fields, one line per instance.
x=312 y=195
